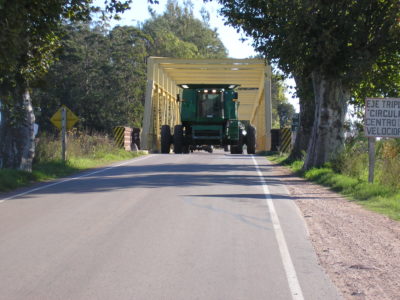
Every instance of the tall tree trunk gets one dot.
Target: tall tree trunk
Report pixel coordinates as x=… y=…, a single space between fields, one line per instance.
x=307 y=110
x=327 y=136
x=17 y=139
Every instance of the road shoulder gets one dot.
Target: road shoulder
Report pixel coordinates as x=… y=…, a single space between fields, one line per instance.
x=359 y=249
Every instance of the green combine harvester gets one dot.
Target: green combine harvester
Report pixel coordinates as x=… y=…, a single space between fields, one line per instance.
x=209 y=115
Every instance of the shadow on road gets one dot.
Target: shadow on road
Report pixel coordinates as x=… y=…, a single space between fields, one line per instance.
x=164 y=175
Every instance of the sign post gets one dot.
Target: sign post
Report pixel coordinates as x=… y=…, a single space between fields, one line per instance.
x=371 y=159
x=382 y=119
x=64 y=119
x=64 y=134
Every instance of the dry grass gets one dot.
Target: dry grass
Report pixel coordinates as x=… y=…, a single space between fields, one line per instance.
x=79 y=145
x=84 y=151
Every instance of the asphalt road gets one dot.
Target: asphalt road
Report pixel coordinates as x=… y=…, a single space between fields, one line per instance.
x=198 y=226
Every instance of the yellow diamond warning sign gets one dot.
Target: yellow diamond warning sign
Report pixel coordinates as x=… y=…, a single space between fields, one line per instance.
x=56 y=119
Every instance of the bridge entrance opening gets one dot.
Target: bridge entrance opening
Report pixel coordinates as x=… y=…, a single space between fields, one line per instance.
x=170 y=107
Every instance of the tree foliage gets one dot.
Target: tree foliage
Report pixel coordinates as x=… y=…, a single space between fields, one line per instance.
x=340 y=38
x=101 y=73
x=29 y=34
x=177 y=33
x=383 y=80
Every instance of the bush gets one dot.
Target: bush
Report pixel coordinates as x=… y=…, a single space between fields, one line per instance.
x=48 y=148
x=353 y=161
x=388 y=163
x=79 y=145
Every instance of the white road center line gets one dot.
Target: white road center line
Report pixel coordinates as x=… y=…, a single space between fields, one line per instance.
x=73 y=178
x=290 y=271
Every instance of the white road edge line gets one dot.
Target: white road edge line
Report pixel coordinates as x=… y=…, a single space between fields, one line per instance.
x=74 y=178
x=301 y=215
x=290 y=271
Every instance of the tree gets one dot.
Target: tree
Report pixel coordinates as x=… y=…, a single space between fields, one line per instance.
x=305 y=92
x=29 y=37
x=130 y=49
x=100 y=75
x=26 y=47
x=177 y=33
x=333 y=42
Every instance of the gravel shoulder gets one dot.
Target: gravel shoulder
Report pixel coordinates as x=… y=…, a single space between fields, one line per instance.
x=359 y=249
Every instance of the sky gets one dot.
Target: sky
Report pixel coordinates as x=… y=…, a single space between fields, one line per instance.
x=231 y=39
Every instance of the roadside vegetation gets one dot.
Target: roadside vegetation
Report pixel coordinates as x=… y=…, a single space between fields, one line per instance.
x=84 y=152
x=348 y=174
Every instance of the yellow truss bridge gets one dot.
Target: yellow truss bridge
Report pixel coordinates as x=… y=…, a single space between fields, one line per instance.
x=165 y=74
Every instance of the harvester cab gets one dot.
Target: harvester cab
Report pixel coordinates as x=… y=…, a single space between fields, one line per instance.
x=209 y=117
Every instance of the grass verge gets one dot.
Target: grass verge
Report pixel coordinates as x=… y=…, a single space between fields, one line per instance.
x=47 y=170
x=376 y=197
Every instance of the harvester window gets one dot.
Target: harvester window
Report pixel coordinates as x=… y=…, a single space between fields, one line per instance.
x=209 y=105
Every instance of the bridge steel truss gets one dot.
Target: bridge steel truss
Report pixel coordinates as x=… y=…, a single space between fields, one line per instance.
x=252 y=76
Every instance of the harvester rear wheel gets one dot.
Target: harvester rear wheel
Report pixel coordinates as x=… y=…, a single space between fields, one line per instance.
x=251 y=140
x=178 y=139
x=238 y=149
x=165 y=139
